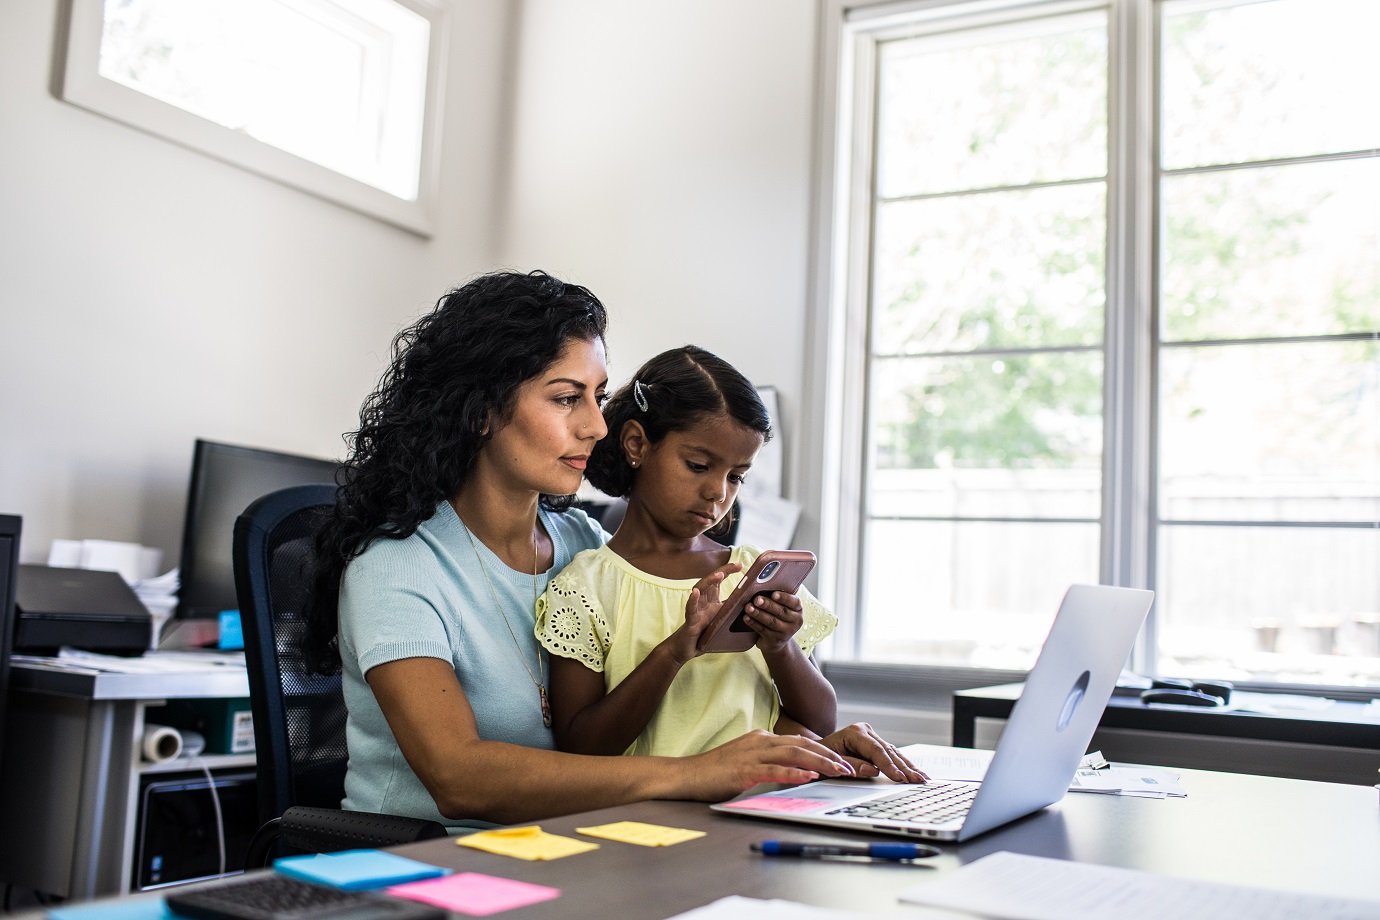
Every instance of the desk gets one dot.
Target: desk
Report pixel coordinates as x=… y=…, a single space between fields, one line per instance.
x=71 y=770
x=1343 y=725
x=1334 y=850
x=1226 y=830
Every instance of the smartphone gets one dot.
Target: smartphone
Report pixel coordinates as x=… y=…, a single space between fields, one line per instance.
x=774 y=570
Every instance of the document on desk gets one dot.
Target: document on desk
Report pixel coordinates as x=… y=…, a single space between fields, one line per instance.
x=737 y=907
x=1094 y=773
x=157 y=662
x=1142 y=782
x=1019 y=887
x=951 y=763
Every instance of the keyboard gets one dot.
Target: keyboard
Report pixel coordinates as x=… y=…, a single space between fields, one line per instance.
x=932 y=803
x=277 y=897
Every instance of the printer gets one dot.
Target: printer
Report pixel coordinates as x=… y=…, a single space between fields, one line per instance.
x=82 y=608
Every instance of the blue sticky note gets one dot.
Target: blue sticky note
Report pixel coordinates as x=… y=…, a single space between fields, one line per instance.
x=357 y=870
x=133 y=909
x=231 y=630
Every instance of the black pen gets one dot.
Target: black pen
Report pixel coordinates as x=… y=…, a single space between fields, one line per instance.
x=892 y=851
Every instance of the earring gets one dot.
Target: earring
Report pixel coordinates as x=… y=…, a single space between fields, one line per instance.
x=633 y=464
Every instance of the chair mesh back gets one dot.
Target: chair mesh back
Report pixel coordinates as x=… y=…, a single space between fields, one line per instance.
x=313 y=705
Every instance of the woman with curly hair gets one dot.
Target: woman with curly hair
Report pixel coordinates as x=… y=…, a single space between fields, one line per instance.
x=452 y=517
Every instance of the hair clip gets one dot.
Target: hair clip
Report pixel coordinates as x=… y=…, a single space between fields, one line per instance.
x=640 y=395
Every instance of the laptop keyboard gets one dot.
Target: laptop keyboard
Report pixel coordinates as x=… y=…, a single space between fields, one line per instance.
x=932 y=803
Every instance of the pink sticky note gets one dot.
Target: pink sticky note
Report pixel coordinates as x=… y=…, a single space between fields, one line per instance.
x=474 y=893
x=775 y=803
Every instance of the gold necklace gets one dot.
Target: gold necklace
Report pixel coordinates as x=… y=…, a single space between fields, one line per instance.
x=538 y=679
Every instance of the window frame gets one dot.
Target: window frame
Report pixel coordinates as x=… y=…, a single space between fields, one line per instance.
x=841 y=283
x=78 y=81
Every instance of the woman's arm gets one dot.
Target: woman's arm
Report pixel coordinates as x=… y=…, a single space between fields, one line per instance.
x=586 y=720
x=469 y=777
x=807 y=699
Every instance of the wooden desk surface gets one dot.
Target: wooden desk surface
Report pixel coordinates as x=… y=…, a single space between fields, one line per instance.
x=1228 y=829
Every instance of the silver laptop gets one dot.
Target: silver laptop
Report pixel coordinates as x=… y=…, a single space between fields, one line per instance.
x=1034 y=762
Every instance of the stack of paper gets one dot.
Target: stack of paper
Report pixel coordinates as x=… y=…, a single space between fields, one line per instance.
x=1145 y=782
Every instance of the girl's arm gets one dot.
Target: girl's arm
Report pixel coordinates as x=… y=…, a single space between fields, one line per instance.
x=586 y=720
x=469 y=777
x=807 y=699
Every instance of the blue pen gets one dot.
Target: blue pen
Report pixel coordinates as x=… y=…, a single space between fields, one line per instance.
x=892 y=851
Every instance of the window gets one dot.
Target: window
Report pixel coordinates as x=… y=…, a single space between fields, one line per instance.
x=1109 y=298
x=336 y=97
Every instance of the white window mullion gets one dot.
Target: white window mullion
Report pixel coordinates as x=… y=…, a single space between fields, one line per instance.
x=1127 y=547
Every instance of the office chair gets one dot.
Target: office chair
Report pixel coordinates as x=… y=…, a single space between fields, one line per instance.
x=299 y=717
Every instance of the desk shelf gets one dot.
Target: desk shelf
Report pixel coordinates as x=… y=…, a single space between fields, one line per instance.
x=212 y=762
x=73 y=767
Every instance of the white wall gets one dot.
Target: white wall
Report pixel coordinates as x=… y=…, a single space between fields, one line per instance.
x=662 y=158
x=150 y=295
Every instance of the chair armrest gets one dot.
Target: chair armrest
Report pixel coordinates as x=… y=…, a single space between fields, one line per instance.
x=326 y=830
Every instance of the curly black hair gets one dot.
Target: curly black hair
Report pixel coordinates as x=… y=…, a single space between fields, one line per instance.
x=420 y=430
x=679 y=388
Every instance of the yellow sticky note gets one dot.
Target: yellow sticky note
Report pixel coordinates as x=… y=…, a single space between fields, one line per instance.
x=529 y=842
x=644 y=835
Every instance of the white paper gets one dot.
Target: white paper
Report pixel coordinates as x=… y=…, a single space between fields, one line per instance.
x=767 y=522
x=970 y=765
x=737 y=907
x=767 y=476
x=1019 y=887
x=154 y=662
x=951 y=763
x=1145 y=782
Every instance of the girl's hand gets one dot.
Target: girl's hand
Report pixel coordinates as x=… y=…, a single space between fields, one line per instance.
x=757 y=757
x=775 y=619
x=700 y=609
x=869 y=754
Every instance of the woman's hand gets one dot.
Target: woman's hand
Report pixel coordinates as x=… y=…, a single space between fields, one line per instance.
x=870 y=754
x=775 y=619
x=700 y=609
x=757 y=757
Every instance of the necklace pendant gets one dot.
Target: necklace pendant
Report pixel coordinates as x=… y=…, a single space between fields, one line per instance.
x=545 y=706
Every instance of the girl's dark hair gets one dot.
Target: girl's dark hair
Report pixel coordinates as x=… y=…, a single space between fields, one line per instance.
x=452 y=371
x=679 y=388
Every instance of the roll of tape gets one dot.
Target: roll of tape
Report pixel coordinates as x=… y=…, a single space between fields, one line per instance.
x=161 y=743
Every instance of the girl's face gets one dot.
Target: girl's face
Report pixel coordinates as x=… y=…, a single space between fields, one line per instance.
x=688 y=480
x=543 y=446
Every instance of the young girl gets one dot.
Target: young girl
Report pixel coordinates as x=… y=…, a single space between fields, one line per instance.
x=622 y=621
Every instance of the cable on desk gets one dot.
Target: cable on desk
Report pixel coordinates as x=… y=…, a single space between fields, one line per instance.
x=215 y=803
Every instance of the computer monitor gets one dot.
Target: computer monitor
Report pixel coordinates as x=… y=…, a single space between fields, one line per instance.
x=226 y=478
x=9 y=564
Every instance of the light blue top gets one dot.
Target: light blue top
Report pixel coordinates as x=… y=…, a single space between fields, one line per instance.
x=427 y=596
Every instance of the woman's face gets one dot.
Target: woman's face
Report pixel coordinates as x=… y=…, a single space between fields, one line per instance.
x=544 y=445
